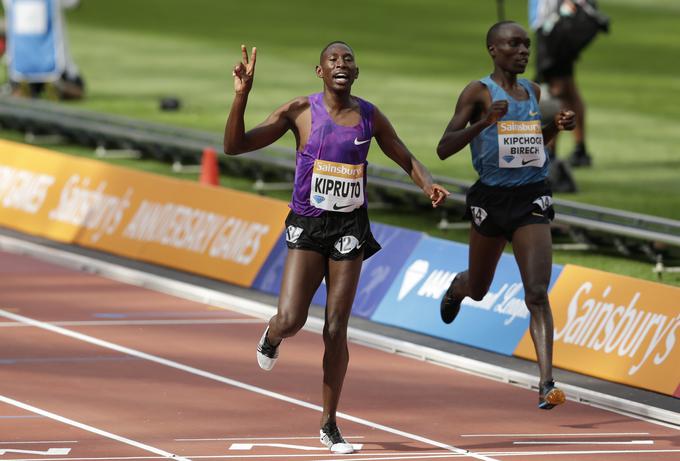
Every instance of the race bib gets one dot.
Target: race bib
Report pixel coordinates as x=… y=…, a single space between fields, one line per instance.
x=520 y=144
x=30 y=17
x=337 y=186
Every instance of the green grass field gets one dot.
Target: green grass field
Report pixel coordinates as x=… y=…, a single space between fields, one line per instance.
x=415 y=58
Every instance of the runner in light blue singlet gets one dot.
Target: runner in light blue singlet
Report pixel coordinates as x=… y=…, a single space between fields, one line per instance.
x=511 y=202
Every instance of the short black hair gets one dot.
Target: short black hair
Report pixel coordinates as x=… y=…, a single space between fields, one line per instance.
x=493 y=31
x=335 y=42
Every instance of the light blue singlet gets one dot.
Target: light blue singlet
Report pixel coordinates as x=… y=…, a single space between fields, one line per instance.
x=516 y=156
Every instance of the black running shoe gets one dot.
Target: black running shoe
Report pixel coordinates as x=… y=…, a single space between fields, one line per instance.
x=550 y=396
x=266 y=353
x=330 y=436
x=449 y=307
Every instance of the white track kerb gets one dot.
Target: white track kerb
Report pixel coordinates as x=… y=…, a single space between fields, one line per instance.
x=258 y=309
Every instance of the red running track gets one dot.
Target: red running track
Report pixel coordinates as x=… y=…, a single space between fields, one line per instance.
x=93 y=369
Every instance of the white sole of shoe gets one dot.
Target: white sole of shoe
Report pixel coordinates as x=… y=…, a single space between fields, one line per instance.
x=338 y=448
x=342 y=448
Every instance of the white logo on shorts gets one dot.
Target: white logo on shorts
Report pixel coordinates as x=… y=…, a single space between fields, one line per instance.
x=544 y=202
x=293 y=234
x=347 y=243
x=478 y=215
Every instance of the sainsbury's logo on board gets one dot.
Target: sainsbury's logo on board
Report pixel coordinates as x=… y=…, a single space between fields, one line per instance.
x=601 y=322
x=615 y=327
x=83 y=204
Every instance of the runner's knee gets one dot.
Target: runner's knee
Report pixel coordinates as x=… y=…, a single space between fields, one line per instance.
x=536 y=296
x=288 y=324
x=335 y=331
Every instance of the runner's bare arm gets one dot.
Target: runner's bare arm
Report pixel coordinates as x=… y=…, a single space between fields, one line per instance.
x=473 y=101
x=394 y=148
x=564 y=120
x=236 y=139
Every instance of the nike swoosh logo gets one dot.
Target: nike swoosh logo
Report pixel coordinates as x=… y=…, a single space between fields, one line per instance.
x=336 y=207
x=524 y=162
x=358 y=143
x=537 y=214
x=532 y=114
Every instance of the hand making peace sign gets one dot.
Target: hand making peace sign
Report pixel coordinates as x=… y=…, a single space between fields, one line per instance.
x=244 y=71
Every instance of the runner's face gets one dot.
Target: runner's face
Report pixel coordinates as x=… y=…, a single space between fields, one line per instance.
x=337 y=68
x=510 y=50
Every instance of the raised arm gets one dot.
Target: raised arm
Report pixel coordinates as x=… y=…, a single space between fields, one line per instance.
x=474 y=106
x=395 y=149
x=236 y=139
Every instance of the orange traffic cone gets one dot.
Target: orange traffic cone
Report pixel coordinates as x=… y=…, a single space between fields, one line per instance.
x=209 y=170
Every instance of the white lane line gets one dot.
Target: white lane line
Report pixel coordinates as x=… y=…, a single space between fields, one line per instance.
x=39 y=441
x=584 y=442
x=566 y=434
x=229 y=381
x=287 y=446
x=52 y=451
x=263 y=438
x=88 y=428
x=87 y=323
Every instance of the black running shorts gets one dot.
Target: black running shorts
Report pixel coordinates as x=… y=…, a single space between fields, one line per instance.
x=499 y=211
x=339 y=236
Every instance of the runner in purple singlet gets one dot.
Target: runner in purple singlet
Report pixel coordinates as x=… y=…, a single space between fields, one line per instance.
x=327 y=230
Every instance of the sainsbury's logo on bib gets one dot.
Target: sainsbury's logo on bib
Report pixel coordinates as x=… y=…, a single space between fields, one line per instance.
x=522 y=127
x=340 y=170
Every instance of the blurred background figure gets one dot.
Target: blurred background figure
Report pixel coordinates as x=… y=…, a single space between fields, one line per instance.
x=2 y=38
x=563 y=29
x=38 y=56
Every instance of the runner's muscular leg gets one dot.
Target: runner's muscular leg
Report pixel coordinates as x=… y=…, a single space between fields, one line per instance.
x=303 y=272
x=483 y=257
x=342 y=281
x=532 y=246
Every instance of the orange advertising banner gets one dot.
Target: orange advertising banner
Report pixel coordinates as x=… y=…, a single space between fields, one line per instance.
x=614 y=327
x=212 y=231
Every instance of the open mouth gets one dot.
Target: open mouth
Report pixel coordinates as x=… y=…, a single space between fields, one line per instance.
x=341 y=77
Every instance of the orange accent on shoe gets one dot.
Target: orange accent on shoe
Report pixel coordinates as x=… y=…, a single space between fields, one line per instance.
x=555 y=397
